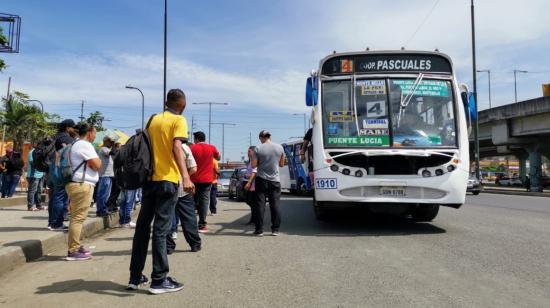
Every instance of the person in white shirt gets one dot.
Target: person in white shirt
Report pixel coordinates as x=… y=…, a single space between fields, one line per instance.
x=185 y=211
x=85 y=164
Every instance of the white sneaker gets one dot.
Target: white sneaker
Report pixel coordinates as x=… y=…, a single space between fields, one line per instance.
x=132 y=224
x=128 y=225
x=174 y=235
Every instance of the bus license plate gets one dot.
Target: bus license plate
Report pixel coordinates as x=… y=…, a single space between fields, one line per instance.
x=393 y=191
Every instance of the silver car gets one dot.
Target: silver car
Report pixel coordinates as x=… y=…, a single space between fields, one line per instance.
x=223 y=182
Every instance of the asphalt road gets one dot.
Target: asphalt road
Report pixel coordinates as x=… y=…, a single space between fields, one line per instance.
x=493 y=252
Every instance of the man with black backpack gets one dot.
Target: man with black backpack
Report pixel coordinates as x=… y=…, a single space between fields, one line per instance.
x=167 y=132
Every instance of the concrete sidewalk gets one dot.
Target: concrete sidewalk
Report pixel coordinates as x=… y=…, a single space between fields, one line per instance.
x=24 y=235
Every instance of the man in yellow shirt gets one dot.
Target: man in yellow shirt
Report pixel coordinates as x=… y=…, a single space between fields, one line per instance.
x=167 y=132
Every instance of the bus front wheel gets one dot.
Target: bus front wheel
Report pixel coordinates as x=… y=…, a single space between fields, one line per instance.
x=321 y=213
x=424 y=212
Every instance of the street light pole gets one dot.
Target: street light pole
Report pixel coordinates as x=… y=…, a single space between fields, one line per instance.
x=476 y=129
x=210 y=114
x=165 y=49
x=142 y=105
x=515 y=83
x=223 y=136
x=489 y=78
x=35 y=100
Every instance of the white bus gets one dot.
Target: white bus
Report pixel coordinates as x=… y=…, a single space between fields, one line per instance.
x=390 y=132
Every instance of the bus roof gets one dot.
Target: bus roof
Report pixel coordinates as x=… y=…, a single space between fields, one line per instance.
x=386 y=61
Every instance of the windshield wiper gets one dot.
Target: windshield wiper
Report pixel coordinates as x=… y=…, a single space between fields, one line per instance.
x=405 y=101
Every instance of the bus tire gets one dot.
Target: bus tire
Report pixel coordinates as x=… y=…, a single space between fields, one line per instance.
x=424 y=212
x=321 y=213
x=475 y=193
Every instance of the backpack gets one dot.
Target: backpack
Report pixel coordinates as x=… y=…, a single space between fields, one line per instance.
x=42 y=154
x=61 y=171
x=133 y=164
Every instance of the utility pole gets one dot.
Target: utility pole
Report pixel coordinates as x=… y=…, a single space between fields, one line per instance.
x=223 y=137
x=165 y=49
x=210 y=114
x=192 y=126
x=515 y=83
x=249 y=139
x=142 y=105
x=489 y=79
x=474 y=71
x=82 y=111
x=9 y=85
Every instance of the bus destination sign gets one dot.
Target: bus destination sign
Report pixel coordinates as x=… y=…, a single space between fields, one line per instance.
x=387 y=63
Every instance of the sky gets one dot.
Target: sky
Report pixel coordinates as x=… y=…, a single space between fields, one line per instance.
x=254 y=55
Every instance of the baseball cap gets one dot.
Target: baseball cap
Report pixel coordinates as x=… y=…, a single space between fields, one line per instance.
x=265 y=134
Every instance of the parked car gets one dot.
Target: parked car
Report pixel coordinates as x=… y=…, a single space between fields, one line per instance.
x=223 y=182
x=474 y=185
x=236 y=184
x=509 y=181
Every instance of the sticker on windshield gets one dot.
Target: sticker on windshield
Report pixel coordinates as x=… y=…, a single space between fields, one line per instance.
x=374 y=141
x=326 y=183
x=341 y=116
x=332 y=129
x=346 y=66
x=376 y=109
x=373 y=132
x=425 y=88
x=375 y=123
x=372 y=87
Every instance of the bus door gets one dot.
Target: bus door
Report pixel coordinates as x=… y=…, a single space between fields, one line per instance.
x=289 y=153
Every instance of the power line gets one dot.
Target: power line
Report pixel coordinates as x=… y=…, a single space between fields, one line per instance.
x=422 y=23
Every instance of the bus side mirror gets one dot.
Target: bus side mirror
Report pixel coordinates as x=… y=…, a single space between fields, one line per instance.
x=311 y=92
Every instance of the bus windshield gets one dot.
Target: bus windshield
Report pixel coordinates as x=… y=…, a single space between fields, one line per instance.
x=389 y=112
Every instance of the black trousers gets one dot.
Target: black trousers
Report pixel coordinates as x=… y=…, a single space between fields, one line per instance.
x=272 y=191
x=202 y=201
x=159 y=201
x=185 y=210
x=251 y=200
x=112 y=204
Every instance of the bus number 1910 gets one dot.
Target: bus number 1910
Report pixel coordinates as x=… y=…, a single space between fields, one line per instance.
x=326 y=184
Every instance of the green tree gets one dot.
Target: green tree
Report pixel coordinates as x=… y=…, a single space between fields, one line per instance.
x=3 y=41
x=96 y=118
x=25 y=122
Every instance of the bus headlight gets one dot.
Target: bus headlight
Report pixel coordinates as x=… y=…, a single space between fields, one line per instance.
x=426 y=173
x=334 y=168
x=346 y=171
x=359 y=173
x=451 y=168
x=438 y=172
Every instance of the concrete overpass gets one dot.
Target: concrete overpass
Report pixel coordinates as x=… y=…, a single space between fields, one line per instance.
x=521 y=129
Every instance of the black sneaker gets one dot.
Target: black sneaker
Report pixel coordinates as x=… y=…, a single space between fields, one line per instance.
x=133 y=284
x=165 y=286
x=196 y=248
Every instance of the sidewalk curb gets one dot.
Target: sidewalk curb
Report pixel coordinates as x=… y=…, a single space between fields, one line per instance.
x=515 y=193
x=18 y=253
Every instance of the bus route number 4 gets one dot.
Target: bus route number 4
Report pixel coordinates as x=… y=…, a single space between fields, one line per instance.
x=326 y=183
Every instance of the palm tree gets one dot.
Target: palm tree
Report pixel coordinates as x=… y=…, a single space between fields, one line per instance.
x=23 y=122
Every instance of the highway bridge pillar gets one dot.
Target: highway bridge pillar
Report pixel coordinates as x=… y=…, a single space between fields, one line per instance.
x=535 y=169
x=522 y=167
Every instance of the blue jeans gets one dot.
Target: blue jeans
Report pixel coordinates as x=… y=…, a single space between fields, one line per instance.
x=34 y=192
x=126 y=205
x=213 y=198
x=159 y=201
x=57 y=205
x=103 y=191
x=139 y=193
x=185 y=211
x=9 y=185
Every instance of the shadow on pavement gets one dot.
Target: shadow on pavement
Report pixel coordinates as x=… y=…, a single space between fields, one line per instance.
x=35 y=217
x=32 y=249
x=17 y=229
x=78 y=285
x=119 y=239
x=298 y=219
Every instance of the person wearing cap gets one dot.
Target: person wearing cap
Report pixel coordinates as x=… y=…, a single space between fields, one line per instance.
x=106 y=174
x=204 y=155
x=58 y=199
x=268 y=157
